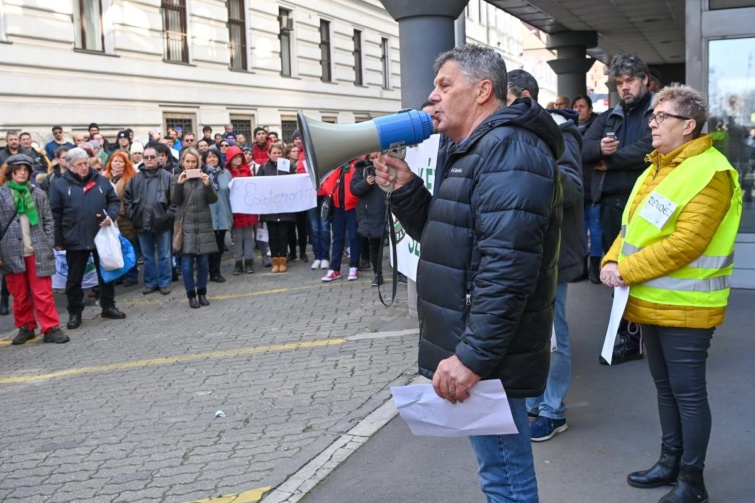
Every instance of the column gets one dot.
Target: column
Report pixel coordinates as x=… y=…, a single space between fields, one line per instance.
x=572 y=63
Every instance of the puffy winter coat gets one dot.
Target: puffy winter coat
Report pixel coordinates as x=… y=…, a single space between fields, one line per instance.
x=271 y=169
x=330 y=183
x=75 y=203
x=486 y=280
x=42 y=234
x=147 y=201
x=240 y=220
x=192 y=200
x=371 y=206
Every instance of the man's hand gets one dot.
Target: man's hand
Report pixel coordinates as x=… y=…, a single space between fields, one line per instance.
x=601 y=166
x=609 y=145
x=105 y=222
x=452 y=380
x=610 y=276
x=403 y=175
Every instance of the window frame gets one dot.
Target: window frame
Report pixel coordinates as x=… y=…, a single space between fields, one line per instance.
x=184 y=26
x=358 y=57
x=289 y=34
x=246 y=46
x=191 y=116
x=326 y=64
x=385 y=60
x=80 y=27
x=3 y=29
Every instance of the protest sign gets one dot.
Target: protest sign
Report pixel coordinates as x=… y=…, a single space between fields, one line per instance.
x=263 y=195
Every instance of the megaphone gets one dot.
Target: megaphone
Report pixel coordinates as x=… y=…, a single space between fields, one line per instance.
x=328 y=146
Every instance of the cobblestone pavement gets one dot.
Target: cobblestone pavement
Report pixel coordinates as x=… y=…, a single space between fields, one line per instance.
x=125 y=412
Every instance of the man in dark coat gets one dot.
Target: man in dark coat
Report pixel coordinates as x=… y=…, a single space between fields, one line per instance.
x=549 y=408
x=616 y=145
x=82 y=201
x=486 y=280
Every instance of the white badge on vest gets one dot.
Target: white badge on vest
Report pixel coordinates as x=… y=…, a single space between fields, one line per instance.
x=658 y=210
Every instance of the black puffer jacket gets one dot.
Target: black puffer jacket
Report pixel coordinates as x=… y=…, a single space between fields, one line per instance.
x=75 y=203
x=371 y=205
x=271 y=169
x=487 y=271
x=572 y=256
x=147 y=201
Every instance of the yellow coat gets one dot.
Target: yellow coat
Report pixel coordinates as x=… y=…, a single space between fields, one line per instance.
x=695 y=228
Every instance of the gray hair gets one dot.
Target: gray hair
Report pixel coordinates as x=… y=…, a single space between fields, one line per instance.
x=520 y=81
x=478 y=63
x=627 y=65
x=687 y=101
x=76 y=154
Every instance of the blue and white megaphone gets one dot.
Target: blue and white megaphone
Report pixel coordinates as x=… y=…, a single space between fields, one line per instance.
x=328 y=146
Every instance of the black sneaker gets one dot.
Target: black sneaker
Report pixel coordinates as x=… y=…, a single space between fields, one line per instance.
x=24 y=334
x=626 y=350
x=55 y=335
x=304 y=257
x=377 y=280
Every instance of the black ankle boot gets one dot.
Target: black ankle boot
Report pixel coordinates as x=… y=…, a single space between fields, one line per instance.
x=593 y=269
x=239 y=268
x=690 y=487
x=662 y=473
x=202 y=297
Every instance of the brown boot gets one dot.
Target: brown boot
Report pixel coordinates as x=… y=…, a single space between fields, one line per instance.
x=282 y=266
x=276 y=264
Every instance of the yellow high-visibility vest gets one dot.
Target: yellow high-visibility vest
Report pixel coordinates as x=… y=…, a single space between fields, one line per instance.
x=705 y=281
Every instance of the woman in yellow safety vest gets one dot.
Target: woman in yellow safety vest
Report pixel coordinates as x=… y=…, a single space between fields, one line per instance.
x=675 y=252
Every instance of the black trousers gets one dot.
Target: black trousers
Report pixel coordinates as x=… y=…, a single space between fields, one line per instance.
x=677 y=357
x=374 y=248
x=279 y=233
x=297 y=233
x=215 y=258
x=77 y=262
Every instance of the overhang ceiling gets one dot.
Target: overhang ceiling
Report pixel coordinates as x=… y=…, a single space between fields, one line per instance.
x=653 y=29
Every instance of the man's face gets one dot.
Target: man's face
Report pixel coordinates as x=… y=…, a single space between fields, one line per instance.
x=631 y=89
x=562 y=102
x=454 y=101
x=584 y=111
x=78 y=139
x=202 y=146
x=58 y=134
x=25 y=140
x=190 y=140
x=162 y=158
x=241 y=139
x=297 y=141
x=150 y=158
x=12 y=141
x=261 y=137
x=207 y=135
x=228 y=128
x=80 y=167
x=272 y=137
x=172 y=135
x=123 y=141
x=93 y=131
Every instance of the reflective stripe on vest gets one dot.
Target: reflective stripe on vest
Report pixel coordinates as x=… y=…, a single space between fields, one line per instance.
x=702 y=262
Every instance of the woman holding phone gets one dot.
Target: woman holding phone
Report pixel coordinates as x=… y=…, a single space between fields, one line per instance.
x=193 y=194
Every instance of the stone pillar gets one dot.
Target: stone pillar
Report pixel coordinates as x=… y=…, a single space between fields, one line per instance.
x=572 y=63
x=426 y=29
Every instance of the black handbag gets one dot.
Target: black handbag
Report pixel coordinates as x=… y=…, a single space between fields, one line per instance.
x=326 y=211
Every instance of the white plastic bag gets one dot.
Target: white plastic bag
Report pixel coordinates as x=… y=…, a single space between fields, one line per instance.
x=109 y=248
x=262 y=234
x=61 y=272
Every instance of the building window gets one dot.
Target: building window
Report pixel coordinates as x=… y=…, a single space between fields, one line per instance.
x=327 y=74
x=385 y=59
x=330 y=119
x=358 y=78
x=174 y=31
x=237 y=34
x=288 y=126
x=87 y=21
x=286 y=26
x=186 y=121
x=243 y=124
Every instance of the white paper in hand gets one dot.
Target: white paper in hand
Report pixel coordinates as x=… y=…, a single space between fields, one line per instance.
x=485 y=412
x=620 y=298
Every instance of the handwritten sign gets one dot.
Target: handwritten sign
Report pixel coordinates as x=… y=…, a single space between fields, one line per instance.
x=422 y=160
x=263 y=195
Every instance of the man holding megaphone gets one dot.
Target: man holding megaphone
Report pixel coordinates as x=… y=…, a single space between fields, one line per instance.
x=486 y=280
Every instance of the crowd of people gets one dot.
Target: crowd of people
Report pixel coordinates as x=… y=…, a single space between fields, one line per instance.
x=530 y=198
x=170 y=197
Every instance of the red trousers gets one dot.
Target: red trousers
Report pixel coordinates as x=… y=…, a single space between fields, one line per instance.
x=32 y=295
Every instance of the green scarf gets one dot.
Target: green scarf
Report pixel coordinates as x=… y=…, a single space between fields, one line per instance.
x=24 y=202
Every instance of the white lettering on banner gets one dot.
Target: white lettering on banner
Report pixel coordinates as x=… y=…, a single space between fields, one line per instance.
x=658 y=210
x=263 y=195
x=422 y=160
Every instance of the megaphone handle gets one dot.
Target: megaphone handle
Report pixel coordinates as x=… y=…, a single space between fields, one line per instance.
x=398 y=153
x=388 y=188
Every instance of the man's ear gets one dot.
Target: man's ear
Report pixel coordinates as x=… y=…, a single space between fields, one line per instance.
x=484 y=91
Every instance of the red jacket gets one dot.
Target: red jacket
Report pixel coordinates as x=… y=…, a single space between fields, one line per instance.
x=240 y=220
x=329 y=185
x=260 y=155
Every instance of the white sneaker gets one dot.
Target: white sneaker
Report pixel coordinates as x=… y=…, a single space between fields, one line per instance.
x=316 y=264
x=324 y=264
x=331 y=276
x=353 y=273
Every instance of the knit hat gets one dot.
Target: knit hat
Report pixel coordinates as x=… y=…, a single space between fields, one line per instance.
x=137 y=147
x=122 y=134
x=297 y=134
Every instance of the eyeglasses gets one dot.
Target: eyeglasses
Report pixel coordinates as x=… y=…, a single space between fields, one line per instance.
x=149 y=157
x=662 y=116
x=224 y=145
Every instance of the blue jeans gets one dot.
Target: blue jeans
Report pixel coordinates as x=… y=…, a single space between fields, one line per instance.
x=157 y=272
x=505 y=464
x=593 y=234
x=343 y=222
x=319 y=232
x=551 y=403
x=187 y=270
